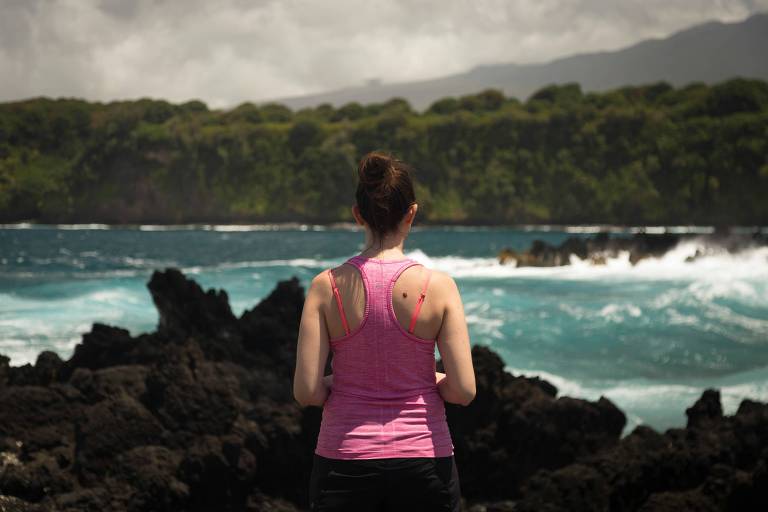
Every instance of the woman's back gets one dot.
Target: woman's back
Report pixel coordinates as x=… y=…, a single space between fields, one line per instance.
x=405 y=295
x=384 y=400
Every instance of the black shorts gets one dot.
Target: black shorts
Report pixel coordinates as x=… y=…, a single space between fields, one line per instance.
x=402 y=484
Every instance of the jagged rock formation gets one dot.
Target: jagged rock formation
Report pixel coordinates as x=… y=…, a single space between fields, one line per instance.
x=199 y=416
x=639 y=246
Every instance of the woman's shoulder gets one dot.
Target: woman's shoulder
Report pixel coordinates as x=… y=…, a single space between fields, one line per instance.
x=441 y=284
x=439 y=278
x=322 y=280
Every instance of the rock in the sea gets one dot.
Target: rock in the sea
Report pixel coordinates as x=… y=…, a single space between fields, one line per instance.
x=200 y=416
x=714 y=468
x=598 y=248
x=150 y=471
x=45 y=371
x=14 y=504
x=185 y=309
x=109 y=428
x=516 y=426
x=706 y=410
x=574 y=488
x=103 y=346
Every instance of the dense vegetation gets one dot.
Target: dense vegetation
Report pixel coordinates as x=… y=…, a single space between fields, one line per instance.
x=636 y=155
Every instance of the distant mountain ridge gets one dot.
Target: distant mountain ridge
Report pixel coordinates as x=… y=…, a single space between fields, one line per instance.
x=711 y=52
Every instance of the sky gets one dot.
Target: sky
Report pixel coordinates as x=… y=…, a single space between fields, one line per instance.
x=225 y=52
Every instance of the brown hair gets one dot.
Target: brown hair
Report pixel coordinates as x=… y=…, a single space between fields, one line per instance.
x=384 y=191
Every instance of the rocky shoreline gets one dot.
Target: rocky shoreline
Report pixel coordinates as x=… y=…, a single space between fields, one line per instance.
x=598 y=248
x=199 y=416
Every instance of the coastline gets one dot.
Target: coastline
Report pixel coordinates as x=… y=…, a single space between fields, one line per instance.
x=280 y=226
x=198 y=414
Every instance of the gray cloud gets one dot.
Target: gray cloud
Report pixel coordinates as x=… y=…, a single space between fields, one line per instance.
x=229 y=51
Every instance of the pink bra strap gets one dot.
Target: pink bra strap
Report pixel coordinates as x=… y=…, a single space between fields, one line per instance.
x=338 y=302
x=419 y=302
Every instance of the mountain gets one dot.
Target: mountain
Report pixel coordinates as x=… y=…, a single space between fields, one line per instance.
x=711 y=52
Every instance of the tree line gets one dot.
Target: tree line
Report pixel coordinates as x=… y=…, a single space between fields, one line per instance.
x=650 y=154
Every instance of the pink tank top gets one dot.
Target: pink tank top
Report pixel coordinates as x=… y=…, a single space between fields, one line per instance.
x=384 y=402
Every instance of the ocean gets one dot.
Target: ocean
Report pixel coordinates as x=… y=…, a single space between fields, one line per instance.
x=649 y=337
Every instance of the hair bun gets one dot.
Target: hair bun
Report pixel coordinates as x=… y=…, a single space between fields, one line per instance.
x=376 y=170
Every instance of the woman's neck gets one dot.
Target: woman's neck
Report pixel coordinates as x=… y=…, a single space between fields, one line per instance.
x=388 y=248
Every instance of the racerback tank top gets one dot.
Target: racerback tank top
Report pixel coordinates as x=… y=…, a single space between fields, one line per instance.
x=384 y=402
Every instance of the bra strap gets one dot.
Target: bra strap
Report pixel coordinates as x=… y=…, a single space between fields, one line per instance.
x=419 y=302
x=338 y=302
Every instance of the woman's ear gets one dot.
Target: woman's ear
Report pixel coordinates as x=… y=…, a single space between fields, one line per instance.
x=407 y=220
x=412 y=213
x=356 y=214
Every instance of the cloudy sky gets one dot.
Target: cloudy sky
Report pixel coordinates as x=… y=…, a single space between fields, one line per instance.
x=229 y=51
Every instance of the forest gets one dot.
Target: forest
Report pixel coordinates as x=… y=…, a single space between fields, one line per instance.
x=639 y=155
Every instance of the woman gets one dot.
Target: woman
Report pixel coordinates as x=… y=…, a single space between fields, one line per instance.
x=384 y=442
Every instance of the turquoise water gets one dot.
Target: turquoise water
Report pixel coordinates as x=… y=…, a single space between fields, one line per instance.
x=649 y=337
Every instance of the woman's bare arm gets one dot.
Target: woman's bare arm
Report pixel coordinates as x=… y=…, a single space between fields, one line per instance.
x=309 y=385
x=458 y=384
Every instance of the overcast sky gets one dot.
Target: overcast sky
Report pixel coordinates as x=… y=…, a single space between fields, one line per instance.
x=229 y=51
